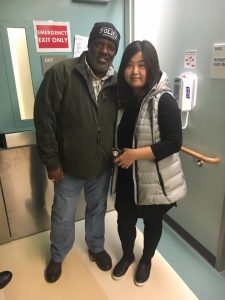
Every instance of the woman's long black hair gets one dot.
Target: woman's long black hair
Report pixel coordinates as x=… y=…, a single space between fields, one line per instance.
x=153 y=71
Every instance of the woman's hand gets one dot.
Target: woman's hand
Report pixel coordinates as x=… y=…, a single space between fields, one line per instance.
x=126 y=159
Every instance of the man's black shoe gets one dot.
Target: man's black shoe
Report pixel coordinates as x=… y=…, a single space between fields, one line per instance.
x=102 y=259
x=142 y=273
x=53 y=271
x=5 y=278
x=122 y=267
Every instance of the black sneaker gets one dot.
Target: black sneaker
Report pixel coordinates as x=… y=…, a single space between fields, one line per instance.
x=102 y=259
x=5 y=278
x=142 y=273
x=53 y=271
x=122 y=267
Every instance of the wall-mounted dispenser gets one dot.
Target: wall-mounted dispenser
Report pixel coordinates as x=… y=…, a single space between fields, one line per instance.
x=185 y=91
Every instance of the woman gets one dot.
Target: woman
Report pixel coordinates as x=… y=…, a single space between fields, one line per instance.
x=148 y=175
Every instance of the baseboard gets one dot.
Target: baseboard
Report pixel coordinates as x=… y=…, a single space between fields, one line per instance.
x=206 y=254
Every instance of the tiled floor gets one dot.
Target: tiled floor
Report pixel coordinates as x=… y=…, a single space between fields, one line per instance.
x=198 y=274
x=81 y=279
x=27 y=258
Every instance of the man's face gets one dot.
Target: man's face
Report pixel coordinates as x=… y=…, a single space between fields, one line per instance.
x=100 y=56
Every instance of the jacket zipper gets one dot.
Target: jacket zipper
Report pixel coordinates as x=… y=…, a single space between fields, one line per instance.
x=156 y=162
x=98 y=134
x=160 y=178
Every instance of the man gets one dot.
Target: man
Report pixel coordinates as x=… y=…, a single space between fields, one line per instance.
x=5 y=278
x=74 y=114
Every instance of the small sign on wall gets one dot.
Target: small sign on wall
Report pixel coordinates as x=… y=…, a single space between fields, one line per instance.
x=218 y=62
x=48 y=61
x=190 y=58
x=80 y=44
x=52 y=36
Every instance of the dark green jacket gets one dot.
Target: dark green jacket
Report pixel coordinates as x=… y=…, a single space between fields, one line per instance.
x=72 y=131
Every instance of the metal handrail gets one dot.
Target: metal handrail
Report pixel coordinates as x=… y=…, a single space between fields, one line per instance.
x=200 y=157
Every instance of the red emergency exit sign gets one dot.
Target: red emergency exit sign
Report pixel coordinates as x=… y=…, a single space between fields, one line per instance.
x=52 y=36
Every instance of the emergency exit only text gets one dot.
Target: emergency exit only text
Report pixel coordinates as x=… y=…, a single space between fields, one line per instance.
x=52 y=37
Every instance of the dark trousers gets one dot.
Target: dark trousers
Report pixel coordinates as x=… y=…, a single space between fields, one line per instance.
x=128 y=214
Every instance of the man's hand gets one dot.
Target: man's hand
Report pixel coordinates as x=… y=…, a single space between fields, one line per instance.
x=56 y=175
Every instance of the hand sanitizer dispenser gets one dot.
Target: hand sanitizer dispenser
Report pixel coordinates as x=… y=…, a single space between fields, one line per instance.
x=185 y=91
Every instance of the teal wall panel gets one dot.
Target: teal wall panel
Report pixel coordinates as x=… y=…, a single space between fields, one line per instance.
x=6 y=116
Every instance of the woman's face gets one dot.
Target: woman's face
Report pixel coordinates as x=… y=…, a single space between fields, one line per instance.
x=135 y=72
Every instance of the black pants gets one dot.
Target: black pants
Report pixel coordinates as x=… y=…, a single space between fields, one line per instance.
x=128 y=214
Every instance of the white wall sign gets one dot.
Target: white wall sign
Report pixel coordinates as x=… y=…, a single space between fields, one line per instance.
x=80 y=45
x=52 y=36
x=218 y=61
x=190 y=58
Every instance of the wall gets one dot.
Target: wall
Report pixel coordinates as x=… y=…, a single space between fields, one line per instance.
x=173 y=26
x=21 y=13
